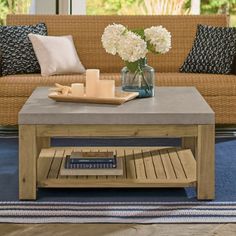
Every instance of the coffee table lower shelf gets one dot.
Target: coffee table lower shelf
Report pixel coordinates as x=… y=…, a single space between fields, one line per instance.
x=143 y=167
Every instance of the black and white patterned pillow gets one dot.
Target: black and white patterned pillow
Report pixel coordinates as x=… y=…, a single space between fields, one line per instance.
x=213 y=51
x=0 y=62
x=233 y=68
x=18 y=56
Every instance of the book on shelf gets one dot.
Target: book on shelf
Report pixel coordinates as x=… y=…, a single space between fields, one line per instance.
x=87 y=164
x=92 y=164
x=79 y=155
x=92 y=157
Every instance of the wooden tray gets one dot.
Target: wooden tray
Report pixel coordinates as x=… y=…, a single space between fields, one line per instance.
x=120 y=98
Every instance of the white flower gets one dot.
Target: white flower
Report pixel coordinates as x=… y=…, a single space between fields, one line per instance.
x=131 y=47
x=159 y=37
x=111 y=37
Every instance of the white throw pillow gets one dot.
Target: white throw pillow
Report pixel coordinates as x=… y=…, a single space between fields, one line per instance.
x=56 y=54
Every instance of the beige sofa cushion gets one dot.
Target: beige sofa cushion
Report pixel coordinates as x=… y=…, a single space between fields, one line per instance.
x=207 y=84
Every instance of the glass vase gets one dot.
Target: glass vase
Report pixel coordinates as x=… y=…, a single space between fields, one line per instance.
x=141 y=80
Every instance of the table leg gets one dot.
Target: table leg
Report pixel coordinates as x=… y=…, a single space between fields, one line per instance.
x=206 y=162
x=27 y=162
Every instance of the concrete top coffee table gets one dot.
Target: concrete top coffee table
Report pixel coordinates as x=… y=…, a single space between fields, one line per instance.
x=173 y=112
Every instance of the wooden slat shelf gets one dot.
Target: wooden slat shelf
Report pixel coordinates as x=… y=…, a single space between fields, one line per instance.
x=143 y=167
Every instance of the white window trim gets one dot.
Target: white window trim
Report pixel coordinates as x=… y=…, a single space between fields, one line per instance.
x=49 y=7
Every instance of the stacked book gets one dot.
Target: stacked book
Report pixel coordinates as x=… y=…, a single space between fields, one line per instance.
x=92 y=163
x=91 y=160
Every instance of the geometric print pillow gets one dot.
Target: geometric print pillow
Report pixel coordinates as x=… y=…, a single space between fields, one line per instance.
x=234 y=66
x=0 y=62
x=17 y=52
x=213 y=51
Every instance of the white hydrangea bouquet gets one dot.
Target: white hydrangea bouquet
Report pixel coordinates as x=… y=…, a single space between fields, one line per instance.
x=132 y=46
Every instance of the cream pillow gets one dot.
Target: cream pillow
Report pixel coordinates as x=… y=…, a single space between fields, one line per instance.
x=56 y=54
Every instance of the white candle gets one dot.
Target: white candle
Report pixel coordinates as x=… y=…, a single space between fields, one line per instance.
x=92 y=79
x=77 y=89
x=106 y=89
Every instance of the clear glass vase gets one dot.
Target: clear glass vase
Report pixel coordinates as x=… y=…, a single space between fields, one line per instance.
x=141 y=80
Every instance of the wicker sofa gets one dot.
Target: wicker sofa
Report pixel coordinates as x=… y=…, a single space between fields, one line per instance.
x=218 y=90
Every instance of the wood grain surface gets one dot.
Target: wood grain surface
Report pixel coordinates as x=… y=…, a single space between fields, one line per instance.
x=177 y=168
x=118 y=229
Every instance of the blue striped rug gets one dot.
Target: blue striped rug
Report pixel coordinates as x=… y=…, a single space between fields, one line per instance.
x=118 y=212
x=119 y=206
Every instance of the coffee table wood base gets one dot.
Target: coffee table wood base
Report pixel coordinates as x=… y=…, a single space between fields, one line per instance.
x=34 y=173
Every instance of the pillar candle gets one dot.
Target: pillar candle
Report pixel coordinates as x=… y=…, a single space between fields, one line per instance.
x=77 y=89
x=92 y=79
x=106 y=89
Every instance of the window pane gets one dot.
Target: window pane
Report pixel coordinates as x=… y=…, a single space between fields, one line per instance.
x=136 y=7
x=161 y=7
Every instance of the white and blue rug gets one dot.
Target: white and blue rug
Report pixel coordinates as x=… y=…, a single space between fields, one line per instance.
x=118 y=205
